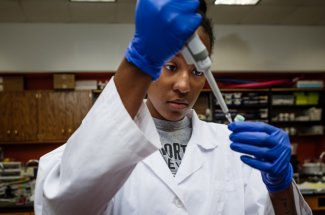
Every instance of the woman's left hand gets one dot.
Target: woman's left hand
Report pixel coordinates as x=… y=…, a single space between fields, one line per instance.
x=268 y=150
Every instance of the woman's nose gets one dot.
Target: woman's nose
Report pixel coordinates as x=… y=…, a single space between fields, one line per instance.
x=182 y=82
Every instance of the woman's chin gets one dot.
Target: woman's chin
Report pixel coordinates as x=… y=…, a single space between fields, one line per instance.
x=175 y=116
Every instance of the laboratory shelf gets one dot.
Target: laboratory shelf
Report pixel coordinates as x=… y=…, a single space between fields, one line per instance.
x=296 y=106
x=296 y=89
x=247 y=106
x=269 y=103
x=297 y=122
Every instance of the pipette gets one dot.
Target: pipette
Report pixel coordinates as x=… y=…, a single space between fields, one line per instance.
x=196 y=53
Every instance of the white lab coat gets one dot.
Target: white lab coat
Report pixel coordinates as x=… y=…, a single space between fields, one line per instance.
x=111 y=165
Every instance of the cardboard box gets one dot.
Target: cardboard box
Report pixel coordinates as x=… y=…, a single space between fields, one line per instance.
x=14 y=83
x=64 y=81
x=86 y=85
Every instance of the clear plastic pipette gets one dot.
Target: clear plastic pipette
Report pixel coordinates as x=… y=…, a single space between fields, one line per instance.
x=196 y=53
x=216 y=91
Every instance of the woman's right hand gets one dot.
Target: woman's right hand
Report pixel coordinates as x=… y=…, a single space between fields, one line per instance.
x=161 y=29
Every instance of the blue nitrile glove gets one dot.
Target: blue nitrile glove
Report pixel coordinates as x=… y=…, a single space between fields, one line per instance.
x=161 y=29
x=270 y=152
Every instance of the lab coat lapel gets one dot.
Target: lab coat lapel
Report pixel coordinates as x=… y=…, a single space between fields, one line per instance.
x=159 y=167
x=155 y=161
x=194 y=157
x=192 y=161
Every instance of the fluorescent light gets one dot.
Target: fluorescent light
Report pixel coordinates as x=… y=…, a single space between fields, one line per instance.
x=93 y=0
x=236 y=2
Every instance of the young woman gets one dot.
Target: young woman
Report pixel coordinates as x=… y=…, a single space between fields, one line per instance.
x=157 y=157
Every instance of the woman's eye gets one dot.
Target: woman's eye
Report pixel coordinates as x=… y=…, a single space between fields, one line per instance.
x=197 y=73
x=171 y=67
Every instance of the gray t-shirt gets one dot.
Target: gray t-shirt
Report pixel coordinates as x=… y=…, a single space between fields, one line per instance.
x=174 y=137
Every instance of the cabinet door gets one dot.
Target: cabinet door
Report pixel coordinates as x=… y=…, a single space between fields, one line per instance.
x=51 y=116
x=78 y=103
x=61 y=113
x=5 y=115
x=18 y=116
x=24 y=116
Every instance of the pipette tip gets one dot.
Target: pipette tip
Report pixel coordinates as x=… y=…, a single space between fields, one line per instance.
x=228 y=116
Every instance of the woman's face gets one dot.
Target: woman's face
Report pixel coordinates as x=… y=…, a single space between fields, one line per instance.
x=177 y=89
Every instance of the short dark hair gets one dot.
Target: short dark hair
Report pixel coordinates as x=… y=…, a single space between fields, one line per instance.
x=206 y=23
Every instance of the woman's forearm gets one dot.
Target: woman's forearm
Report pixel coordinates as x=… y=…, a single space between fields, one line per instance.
x=132 y=85
x=283 y=202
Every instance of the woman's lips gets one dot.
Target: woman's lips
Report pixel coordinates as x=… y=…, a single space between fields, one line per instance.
x=178 y=105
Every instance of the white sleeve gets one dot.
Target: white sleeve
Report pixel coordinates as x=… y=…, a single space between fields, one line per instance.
x=302 y=207
x=257 y=200
x=84 y=176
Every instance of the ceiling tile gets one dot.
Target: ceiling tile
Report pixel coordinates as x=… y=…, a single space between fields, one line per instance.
x=311 y=3
x=292 y=2
x=228 y=14
x=278 y=3
x=210 y=2
x=10 y=11
x=125 y=13
x=93 y=12
x=305 y=16
x=46 y=10
x=126 y=1
x=267 y=12
x=269 y=15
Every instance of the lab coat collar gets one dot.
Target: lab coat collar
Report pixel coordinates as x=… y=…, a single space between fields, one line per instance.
x=158 y=165
x=192 y=161
x=198 y=140
x=145 y=122
x=155 y=161
x=200 y=131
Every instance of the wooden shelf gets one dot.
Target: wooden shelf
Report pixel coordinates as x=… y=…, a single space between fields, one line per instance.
x=244 y=90
x=295 y=106
x=296 y=89
x=298 y=122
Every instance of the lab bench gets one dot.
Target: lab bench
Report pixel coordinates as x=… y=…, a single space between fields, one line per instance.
x=316 y=202
x=13 y=209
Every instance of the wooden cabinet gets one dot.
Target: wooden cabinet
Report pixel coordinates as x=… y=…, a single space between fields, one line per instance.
x=60 y=113
x=77 y=106
x=51 y=116
x=18 y=115
x=41 y=116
